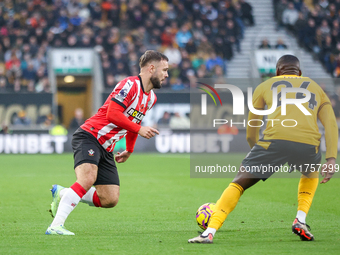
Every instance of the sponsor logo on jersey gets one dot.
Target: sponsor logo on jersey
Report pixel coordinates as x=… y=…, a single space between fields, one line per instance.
x=91 y=152
x=136 y=114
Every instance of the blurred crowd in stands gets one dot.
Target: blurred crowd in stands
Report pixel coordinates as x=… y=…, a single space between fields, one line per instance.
x=316 y=25
x=266 y=45
x=173 y=120
x=280 y=44
x=21 y=120
x=198 y=36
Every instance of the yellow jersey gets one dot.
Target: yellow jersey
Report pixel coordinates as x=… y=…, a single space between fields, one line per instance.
x=295 y=126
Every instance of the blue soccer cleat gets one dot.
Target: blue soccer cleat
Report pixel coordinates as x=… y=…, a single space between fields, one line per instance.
x=55 y=198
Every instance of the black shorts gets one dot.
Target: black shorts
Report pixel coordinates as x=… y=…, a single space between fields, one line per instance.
x=268 y=156
x=87 y=149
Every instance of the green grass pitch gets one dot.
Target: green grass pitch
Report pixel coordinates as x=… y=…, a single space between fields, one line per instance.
x=156 y=211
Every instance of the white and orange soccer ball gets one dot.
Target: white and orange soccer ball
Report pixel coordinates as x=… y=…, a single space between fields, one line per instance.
x=203 y=215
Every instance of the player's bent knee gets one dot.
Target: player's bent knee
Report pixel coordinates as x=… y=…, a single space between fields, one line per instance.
x=110 y=203
x=113 y=203
x=108 y=195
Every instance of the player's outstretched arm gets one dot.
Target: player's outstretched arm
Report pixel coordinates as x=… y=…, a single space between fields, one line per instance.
x=148 y=132
x=253 y=133
x=122 y=157
x=328 y=169
x=130 y=141
x=115 y=115
x=327 y=118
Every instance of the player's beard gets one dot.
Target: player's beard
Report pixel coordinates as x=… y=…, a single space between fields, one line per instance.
x=156 y=82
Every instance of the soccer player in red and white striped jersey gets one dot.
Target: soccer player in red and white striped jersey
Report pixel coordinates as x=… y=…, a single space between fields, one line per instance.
x=93 y=143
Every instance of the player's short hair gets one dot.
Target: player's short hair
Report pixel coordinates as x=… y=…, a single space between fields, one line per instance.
x=287 y=60
x=288 y=64
x=151 y=55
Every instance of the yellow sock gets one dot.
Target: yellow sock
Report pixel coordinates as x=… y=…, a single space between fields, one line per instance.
x=306 y=191
x=225 y=205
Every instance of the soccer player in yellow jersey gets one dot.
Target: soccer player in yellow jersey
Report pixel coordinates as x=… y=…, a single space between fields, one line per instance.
x=297 y=146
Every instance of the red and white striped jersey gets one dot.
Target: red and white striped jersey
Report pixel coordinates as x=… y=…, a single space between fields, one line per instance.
x=130 y=94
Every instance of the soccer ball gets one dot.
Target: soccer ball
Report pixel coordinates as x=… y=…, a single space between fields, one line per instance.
x=204 y=214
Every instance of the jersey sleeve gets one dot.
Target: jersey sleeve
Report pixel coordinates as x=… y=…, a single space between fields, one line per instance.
x=130 y=141
x=258 y=99
x=328 y=120
x=253 y=133
x=115 y=115
x=124 y=92
x=324 y=100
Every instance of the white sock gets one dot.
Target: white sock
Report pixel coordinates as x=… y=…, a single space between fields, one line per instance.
x=62 y=192
x=301 y=216
x=88 y=197
x=68 y=202
x=209 y=231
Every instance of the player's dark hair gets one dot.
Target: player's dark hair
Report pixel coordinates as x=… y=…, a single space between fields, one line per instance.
x=288 y=64
x=151 y=55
